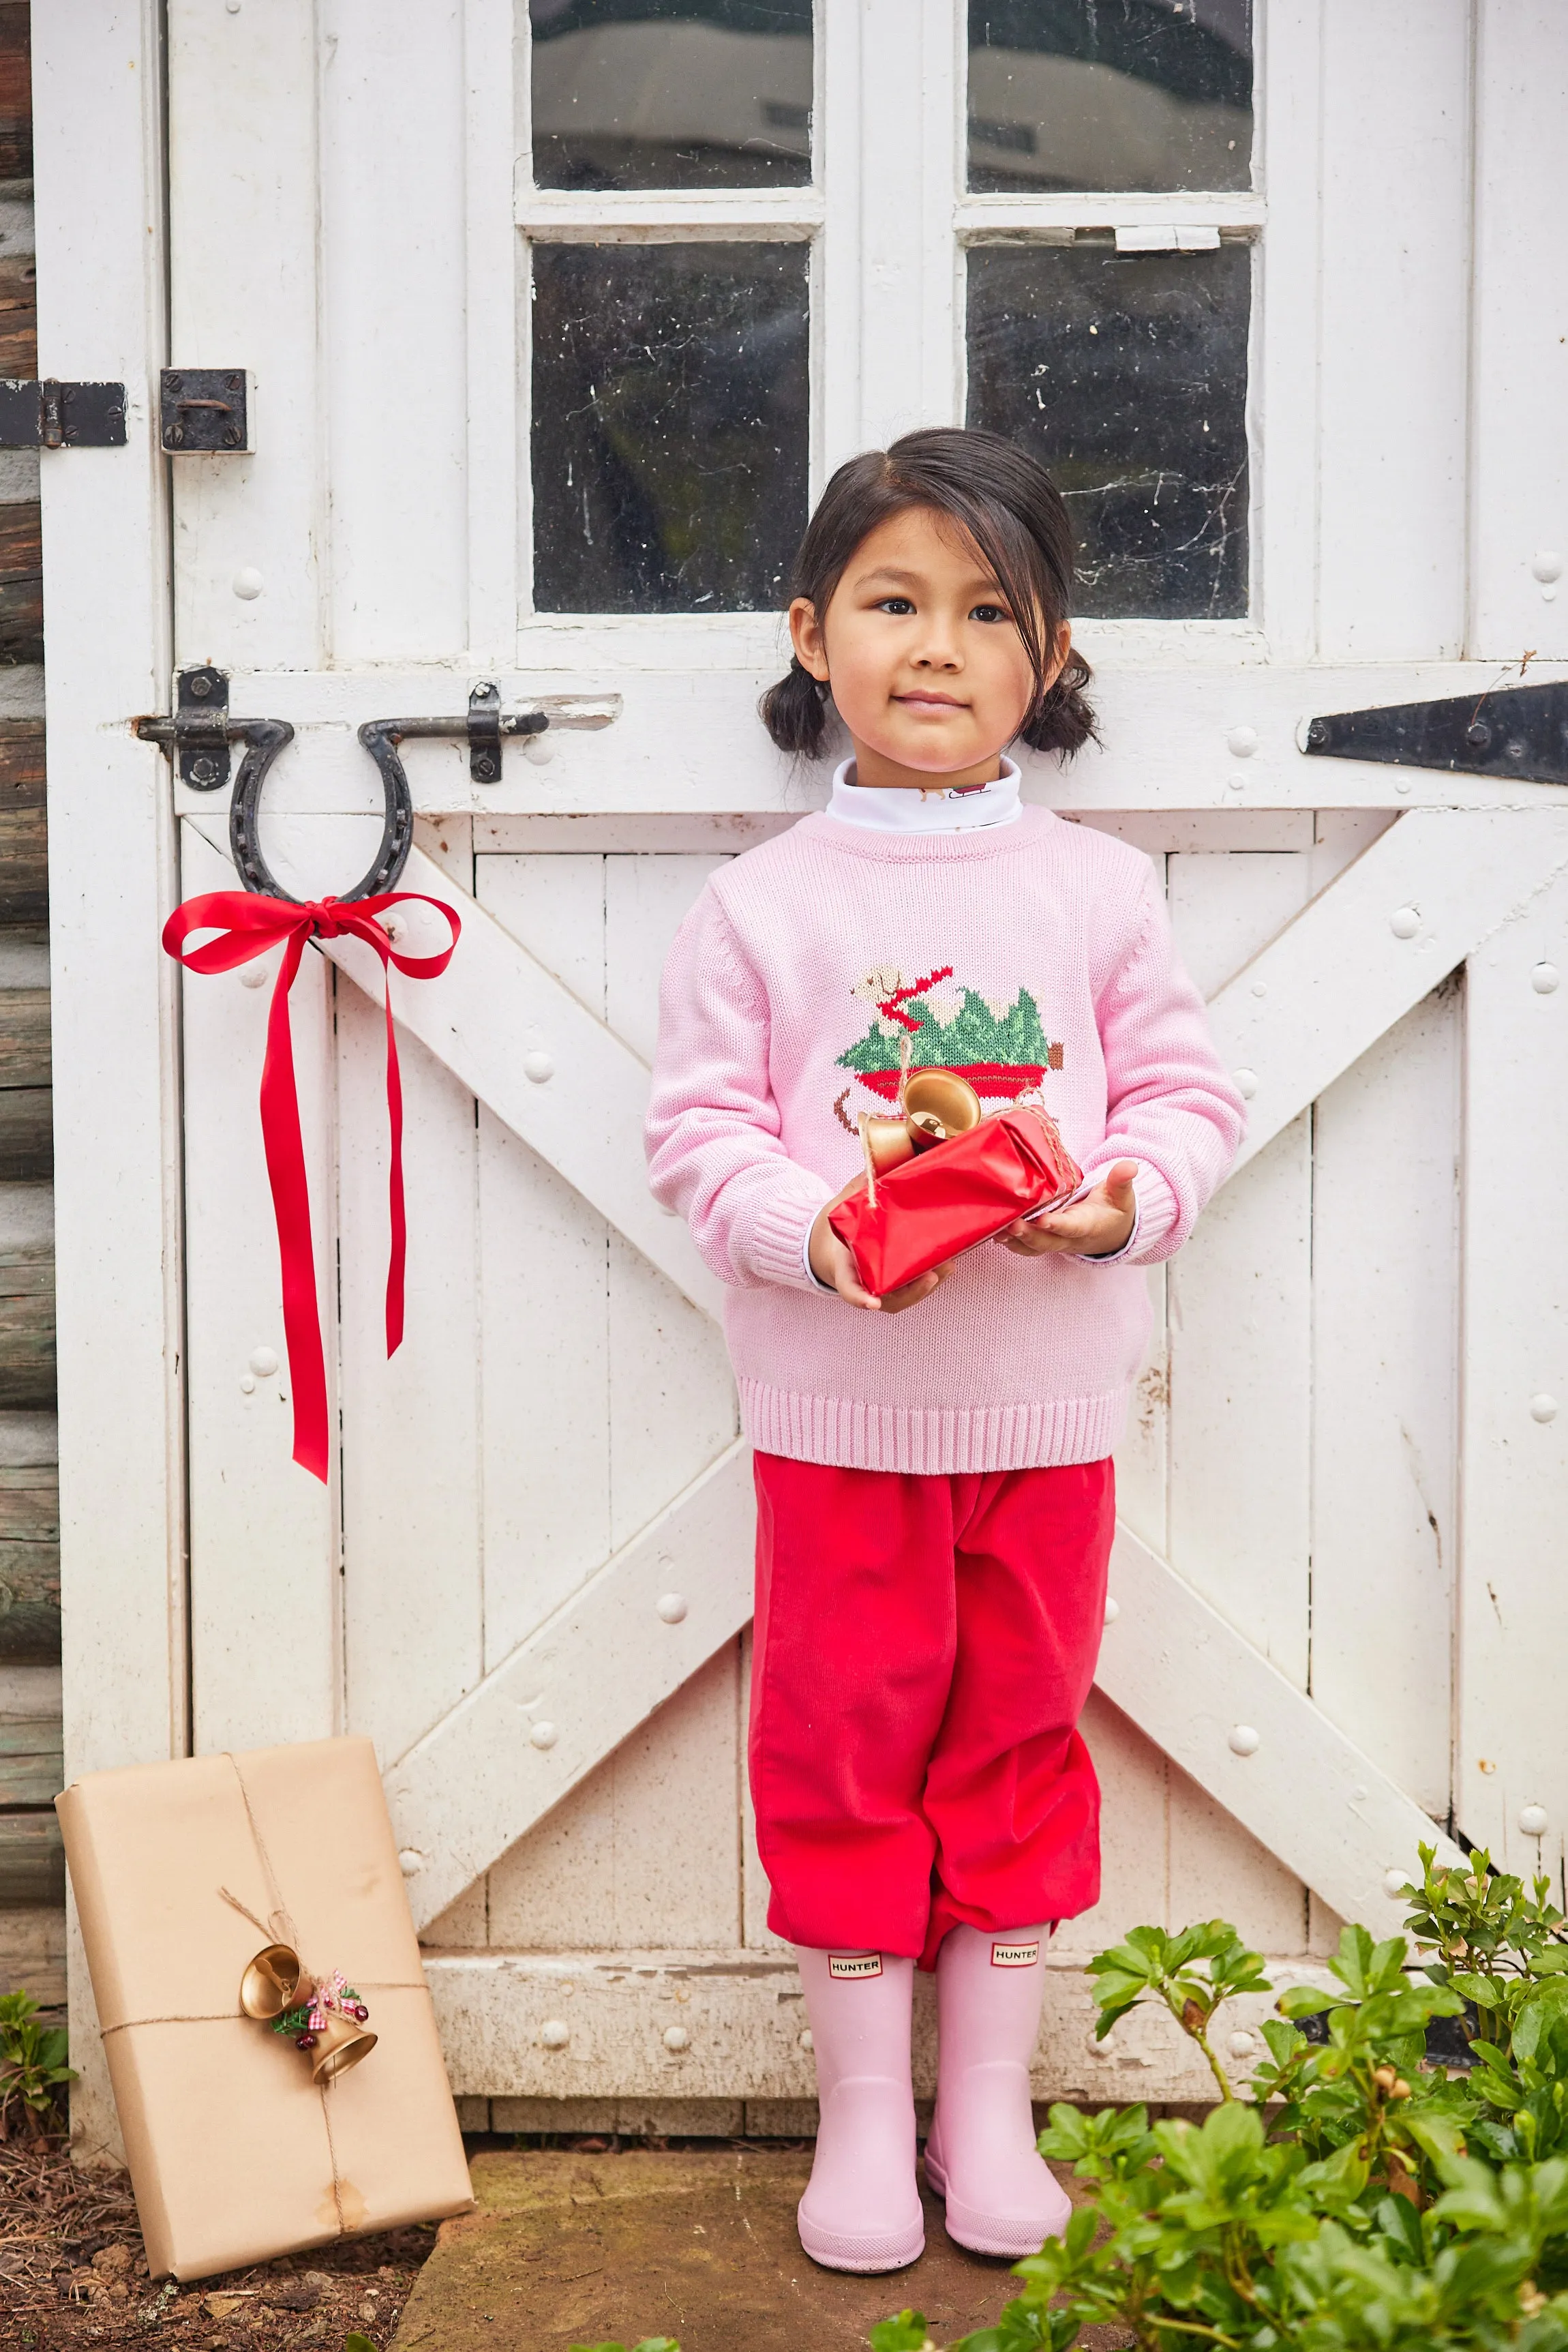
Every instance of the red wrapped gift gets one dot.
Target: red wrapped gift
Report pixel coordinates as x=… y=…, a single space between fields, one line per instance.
x=955 y=1194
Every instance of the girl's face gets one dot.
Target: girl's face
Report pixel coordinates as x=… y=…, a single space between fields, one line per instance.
x=927 y=670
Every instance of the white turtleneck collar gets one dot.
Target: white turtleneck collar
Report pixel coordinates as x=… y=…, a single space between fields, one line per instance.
x=902 y=808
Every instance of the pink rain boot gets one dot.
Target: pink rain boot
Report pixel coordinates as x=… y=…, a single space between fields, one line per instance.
x=1002 y=2197
x=862 y=2208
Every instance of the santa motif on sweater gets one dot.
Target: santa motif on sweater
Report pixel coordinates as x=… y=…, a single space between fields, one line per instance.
x=1001 y=1049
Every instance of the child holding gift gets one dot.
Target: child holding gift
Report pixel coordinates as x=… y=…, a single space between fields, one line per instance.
x=934 y=1492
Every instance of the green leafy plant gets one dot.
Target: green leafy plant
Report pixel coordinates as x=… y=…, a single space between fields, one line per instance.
x=1365 y=2199
x=32 y=2064
x=357 y=2343
x=648 y=2343
x=907 y=2333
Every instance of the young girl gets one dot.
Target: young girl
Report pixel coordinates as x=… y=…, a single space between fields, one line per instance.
x=934 y=1483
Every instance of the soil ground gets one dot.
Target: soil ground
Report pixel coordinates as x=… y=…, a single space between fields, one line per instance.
x=72 y=2275
x=585 y=2243
x=696 y=2244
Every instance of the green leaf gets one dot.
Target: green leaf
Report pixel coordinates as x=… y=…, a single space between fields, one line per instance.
x=647 y=2344
x=1485 y=1992
x=1542 y=2015
x=1437 y=2137
x=1337 y=2180
x=362 y=2344
x=907 y=2333
x=1306 y=2001
x=1400 y=2223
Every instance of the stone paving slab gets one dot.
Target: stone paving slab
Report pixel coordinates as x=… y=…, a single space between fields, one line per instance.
x=699 y=2244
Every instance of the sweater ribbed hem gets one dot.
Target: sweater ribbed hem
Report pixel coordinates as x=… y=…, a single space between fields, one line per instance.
x=777 y=1247
x=936 y=1443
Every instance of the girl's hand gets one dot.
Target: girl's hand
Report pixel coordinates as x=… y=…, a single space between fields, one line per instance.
x=1097 y=1226
x=832 y=1263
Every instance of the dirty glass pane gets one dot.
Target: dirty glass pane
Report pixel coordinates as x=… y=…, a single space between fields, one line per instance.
x=670 y=408
x=672 y=93
x=1126 y=375
x=1110 y=94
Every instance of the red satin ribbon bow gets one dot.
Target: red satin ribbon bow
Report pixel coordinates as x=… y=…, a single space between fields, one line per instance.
x=251 y=924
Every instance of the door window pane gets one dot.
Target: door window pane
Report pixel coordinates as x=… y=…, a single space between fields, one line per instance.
x=670 y=425
x=672 y=93
x=1110 y=94
x=1126 y=375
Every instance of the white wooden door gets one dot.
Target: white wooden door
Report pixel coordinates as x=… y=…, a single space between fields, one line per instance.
x=553 y=329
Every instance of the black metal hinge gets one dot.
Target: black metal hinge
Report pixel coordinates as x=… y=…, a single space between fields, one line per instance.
x=53 y=415
x=1521 y=731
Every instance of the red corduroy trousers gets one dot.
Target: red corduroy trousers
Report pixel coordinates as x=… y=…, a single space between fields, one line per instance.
x=924 y=1648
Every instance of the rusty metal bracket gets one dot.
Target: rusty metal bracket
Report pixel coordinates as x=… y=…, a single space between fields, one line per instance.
x=1518 y=732
x=204 y=409
x=201 y=730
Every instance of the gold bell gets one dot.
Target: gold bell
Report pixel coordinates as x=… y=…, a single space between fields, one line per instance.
x=939 y=1103
x=887 y=1142
x=341 y=2044
x=270 y=1983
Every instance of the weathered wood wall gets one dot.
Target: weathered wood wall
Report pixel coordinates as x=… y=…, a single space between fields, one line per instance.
x=32 y=1877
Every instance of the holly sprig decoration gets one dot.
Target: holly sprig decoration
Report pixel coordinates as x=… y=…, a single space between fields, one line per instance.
x=307 y=2020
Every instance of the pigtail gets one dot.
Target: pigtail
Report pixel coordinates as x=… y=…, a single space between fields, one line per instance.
x=1065 y=720
x=794 y=712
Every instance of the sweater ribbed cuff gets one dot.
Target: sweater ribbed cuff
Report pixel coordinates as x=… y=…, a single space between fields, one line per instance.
x=1158 y=1213
x=776 y=1250
x=1155 y=1215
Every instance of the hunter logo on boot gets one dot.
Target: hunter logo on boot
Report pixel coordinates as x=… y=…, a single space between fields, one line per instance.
x=1014 y=1955
x=854 y=1964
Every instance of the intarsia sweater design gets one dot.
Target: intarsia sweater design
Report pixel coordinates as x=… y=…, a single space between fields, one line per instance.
x=1033 y=954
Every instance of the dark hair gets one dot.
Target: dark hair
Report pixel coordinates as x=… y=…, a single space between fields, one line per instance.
x=1008 y=506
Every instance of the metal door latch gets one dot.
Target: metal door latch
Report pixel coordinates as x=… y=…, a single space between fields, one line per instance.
x=201 y=730
x=203 y=409
x=484 y=729
x=1520 y=732
x=199 y=733
x=53 y=415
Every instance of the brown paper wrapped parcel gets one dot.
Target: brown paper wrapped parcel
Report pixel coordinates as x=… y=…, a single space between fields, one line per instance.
x=235 y=2153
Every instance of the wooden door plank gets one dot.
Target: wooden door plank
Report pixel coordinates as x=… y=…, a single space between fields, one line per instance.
x=252 y=535
x=672 y=1409
x=412 y=1484
x=1241 y=1312
x=744 y=2016
x=1384 y=1412
x=576 y=1688
x=1393 y=355
x=663 y=1429
x=398 y=552
x=264 y=1589
x=1514 y=1597
x=546 y=1257
x=1164 y=752
x=1240 y=1398
x=1518 y=321
x=99 y=177
x=1371 y=945
x=1189 y=1679
x=642 y=1851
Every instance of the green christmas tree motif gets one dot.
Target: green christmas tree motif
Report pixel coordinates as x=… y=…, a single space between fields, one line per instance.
x=1010 y=1048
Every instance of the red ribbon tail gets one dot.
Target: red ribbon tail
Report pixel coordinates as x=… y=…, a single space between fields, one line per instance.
x=285 y=1152
x=398 y=1253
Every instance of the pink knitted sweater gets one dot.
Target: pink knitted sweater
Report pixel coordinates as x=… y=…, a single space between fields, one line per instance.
x=1035 y=952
